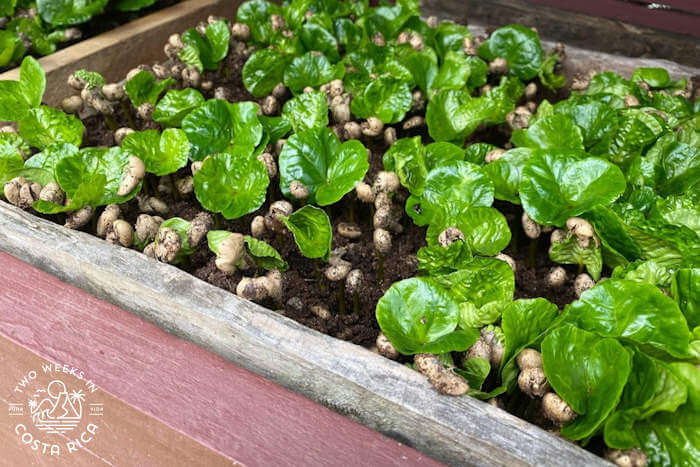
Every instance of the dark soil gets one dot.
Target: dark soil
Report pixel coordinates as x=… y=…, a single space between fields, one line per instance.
x=304 y=282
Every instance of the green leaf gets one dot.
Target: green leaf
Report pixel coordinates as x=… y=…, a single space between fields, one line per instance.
x=317 y=159
x=635 y=312
x=264 y=255
x=415 y=313
x=43 y=126
x=558 y=184
x=176 y=105
x=596 y=118
x=568 y=251
x=506 y=173
x=548 y=76
x=275 y=127
x=450 y=190
x=305 y=111
x=10 y=44
x=685 y=288
x=316 y=37
x=45 y=161
x=441 y=153
x=519 y=45
x=67 y=12
x=472 y=316
x=453 y=74
x=652 y=387
x=436 y=260
x=485 y=229
x=449 y=37
x=133 y=5
x=32 y=81
x=247 y=129
x=205 y=52
x=209 y=128
x=551 y=132
x=11 y=162
x=386 y=98
x=8 y=8
x=645 y=271
x=406 y=157
x=232 y=183
x=610 y=83
x=92 y=79
x=483 y=281
x=181 y=226
x=256 y=14
x=312 y=70
x=636 y=132
x=588 y=372
x=312 y=231
x=475 y=371
x=654 y=77
x=671 y=438
x=524 y=323
x=263 y=71
x=143 y=88
x=162 y=154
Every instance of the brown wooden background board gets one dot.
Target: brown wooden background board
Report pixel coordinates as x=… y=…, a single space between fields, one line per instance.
x=218 y=404
x=126 y=436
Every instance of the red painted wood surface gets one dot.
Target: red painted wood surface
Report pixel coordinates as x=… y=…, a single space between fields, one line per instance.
x=235 y=412
x=684 y=19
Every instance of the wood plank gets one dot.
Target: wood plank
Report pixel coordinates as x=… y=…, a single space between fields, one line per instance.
x=574 y=29
x=351 y=380
x=124 y=435
x=213 y=401
x=116 y=52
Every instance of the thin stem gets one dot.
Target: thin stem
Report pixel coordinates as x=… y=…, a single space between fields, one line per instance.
x=341 y=298
x=351 y=213
x=531 y=253
x=380 y=268
x=355 y=303
x=217 y=221
x=580 y=268
x=515 y=238
x=319 y=277
x=111 y=122
x=176 y=194
x=127 y=112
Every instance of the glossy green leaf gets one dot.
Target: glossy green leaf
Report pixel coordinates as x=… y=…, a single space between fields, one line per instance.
x=133 y=5
x=45 y=161
x=506 y=173
x=453 y=73
x=312 y=231
x=436 y=260
x=685 y=288
x=256 y=14
x=481 y=282
x=407 y=157
x=263 y=71
x=551 y=132
x=11 y=162
x=43 y=126
x=307 y=110
x=176 y=105
x=524 y=323
x=485 y=229
x=568 y=251
x=440 y=153
x=558 y=184
x=415 y=313
x=450 y=190
x=315 y=37
x=671 y=438
x=67 y=12
x=232 y=183
x=92 y=79
x=312 y=70
x=635 y=312
x=475 y=371
x=328 y=168
x=596 y=118
x=162 y=154
x=205 y=52
x=143 y=88
x=32 y=81
x=264 y=255
x=209 y=128
x=521 y=48
x=588 y=372
x=386 y=98
x=654 y=77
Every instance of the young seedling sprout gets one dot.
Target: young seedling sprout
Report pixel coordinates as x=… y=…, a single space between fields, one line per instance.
x=372 y=127
x=277 y=210
x=79 y=218
x=257 y=226
x=202 y=223
x=583 y=230
x=104 y=223
x=121 y=134
x=519 y=118
x=22 y=193
x=556 y=277
x=556 y=409
x=531 y=380
x=260 y=288
x=121 y=233
x=353 y=284
x=270 y=164
x=498 y=66
x=337 y=271
x=167 y=245
x=135 y=171
x=582 y=283
x=385 y=348
x=147 y=228
x=52 y=193
x=445 y=380
x=532 y=230
x=627 y=457
x=231 y=252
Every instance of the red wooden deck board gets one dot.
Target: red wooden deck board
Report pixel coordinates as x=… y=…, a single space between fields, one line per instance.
x=237 y=413
x=669 y=20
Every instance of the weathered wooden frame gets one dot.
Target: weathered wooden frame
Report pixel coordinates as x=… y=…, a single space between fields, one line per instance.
x=351 y=380
x=140 y=41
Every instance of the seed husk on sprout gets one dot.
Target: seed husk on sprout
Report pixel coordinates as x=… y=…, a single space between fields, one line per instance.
x=531 y=228
x=72 y=104
x=257 y=226
x=533 y=382
x=278 y=209
x=529 y=358
x=52 y=193
x=147 y=227
x=104 y=223
x=450 y=235
x=519 y=118
x=121 y=233
x=270 y=164
x=556 y=409
x=231 y=251
x=202 y=223
x=556 y=277
x=390 y=136
x=260 y=288
x=298 y=190
x=121 y=134
x=443 y=379
x=135 y=171
x=627 y=457
x=168 y=245
x=414 y=122
x=582 y=283
x=79 y=218
x=372 y=127
x=385 y=348
x=494 y=155
x=499 y=66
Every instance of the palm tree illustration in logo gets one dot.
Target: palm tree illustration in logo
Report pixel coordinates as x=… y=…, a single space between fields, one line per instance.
x=58 y=412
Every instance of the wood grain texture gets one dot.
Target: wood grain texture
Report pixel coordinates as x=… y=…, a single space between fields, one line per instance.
x=351 y=380
x=116 y=52
x=232 y=411
x=575 y=29
x=125 y=435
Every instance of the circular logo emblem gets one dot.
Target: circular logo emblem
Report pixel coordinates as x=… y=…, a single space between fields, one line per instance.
x=54 y=409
